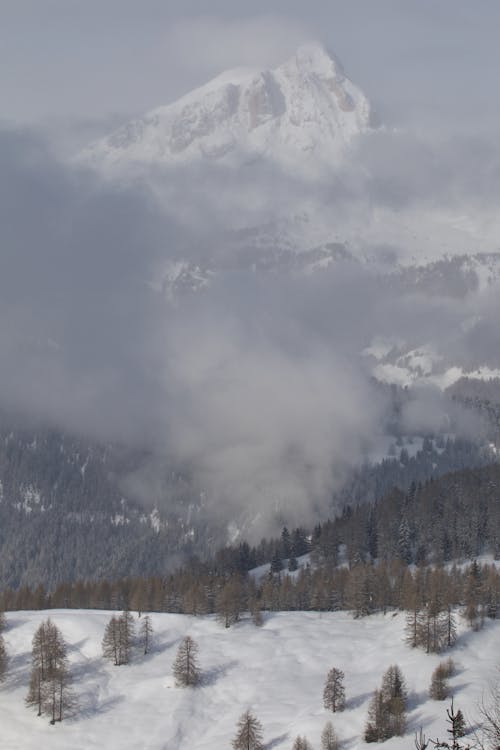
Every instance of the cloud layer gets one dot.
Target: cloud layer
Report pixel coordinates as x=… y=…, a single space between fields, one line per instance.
x=256 y=383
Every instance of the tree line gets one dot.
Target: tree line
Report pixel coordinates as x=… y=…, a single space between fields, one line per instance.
x=429 y=595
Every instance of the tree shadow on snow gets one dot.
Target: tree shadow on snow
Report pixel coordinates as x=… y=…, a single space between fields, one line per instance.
x=415 y=724
x=416 y=699
x=211 y=676
x=89 y=704
x=357 y=700
x=18 y=670
x=76 y=647
x=351 y=741
x=159 y=647
x=92 y=666
x=457 y=688
x=276 y=741
x=13 y=622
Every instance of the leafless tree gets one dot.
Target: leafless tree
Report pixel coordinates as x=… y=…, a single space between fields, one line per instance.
x=248 y=733
x=186 y=669
x=329 y=739
x=334 y=691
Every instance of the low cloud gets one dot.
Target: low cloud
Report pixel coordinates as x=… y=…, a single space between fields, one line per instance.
x=255 y=384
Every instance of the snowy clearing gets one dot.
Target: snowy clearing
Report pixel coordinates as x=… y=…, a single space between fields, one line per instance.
x=277 y=670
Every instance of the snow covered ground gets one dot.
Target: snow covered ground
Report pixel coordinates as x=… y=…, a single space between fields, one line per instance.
x=277 y=670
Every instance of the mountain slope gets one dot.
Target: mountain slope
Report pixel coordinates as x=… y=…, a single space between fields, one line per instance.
x=303 y=113
x=278 y=671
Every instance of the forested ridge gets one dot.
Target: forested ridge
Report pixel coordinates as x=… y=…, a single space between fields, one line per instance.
x=414 y=551
x=69 y=507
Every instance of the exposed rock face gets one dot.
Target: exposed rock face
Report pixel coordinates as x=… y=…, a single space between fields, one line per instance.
x=301 y=115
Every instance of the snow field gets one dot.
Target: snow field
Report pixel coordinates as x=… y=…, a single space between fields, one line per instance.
x=278 y=671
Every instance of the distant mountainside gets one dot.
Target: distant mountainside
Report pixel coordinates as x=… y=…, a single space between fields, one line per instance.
x=78 y=509
x=300 y=115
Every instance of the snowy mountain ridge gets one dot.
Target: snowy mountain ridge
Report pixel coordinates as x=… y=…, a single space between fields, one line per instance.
x=303 y=114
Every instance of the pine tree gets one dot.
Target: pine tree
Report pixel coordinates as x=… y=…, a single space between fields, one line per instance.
x=248 y=733
x=186 y=669
x=459 y=725
x=329 y=740
x=334 y=691
x=457 y=730
x=286 y=543
x=276 y=563
x=146 y=634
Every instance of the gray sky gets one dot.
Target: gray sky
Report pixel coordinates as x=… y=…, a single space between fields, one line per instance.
x=426 y=62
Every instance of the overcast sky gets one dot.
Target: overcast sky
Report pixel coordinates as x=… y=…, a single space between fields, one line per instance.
x=425 y=62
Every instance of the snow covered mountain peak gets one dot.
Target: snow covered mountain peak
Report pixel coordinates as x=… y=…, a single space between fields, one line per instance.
x=301 y=115
x=312 y=57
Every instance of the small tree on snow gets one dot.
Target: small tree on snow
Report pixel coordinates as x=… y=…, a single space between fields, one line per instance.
x=111 y=641
x=439 y=688
x=49 y=686
x=329 y=739
x=334 y=691
x=186 y=669
x=118 y=638
x=146 y=634
x=301 y=743
x=249 y=733
x=386 y=712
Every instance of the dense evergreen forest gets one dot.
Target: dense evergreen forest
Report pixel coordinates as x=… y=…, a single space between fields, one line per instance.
x=70 y=509
x=414 y=551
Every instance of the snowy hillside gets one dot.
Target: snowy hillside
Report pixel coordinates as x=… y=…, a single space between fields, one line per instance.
x=303 y=113
x=277 y=670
